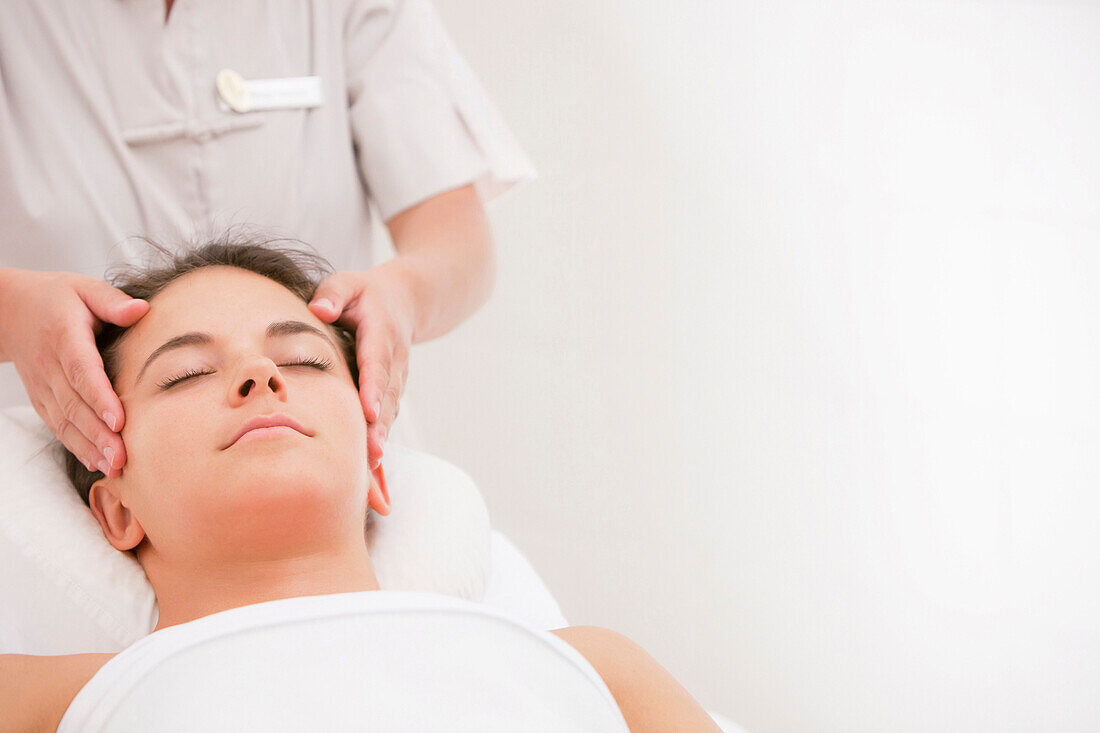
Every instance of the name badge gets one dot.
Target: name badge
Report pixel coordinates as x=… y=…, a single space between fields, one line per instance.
x=246 y=95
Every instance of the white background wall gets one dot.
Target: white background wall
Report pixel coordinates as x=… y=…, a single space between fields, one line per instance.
x=790 y=373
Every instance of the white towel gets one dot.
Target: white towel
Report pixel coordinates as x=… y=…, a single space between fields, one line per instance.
x=373 y=660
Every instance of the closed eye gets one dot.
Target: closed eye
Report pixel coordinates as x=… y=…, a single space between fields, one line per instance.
x=310 y=361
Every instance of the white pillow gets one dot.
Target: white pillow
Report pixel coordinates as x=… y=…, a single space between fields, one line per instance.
x=65 y=590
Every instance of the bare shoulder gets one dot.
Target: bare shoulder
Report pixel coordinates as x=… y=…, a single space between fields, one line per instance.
x=595 y=638
x=606 y=650
x=611 y=654
x=35 y=691
x=649 y=697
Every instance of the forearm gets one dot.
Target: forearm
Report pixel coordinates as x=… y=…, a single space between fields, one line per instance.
x=445 y=260
x=6 y=275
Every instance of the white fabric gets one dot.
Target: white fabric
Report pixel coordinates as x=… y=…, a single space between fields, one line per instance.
x=65 y=590
x=516 y=589
x=375 y=660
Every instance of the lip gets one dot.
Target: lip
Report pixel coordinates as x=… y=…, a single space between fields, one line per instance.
x=268 y=421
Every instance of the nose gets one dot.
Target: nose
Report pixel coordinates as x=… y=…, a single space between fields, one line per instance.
x=258 y=376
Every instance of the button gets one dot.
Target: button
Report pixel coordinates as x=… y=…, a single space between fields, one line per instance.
x=232 y=90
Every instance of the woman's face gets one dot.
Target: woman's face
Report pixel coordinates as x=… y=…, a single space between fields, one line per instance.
x=194 y=494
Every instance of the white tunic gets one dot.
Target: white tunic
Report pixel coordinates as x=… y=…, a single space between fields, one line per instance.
x=111 y=126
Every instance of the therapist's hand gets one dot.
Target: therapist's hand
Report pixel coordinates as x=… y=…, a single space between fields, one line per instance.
x=376 y=307
x=48 y=323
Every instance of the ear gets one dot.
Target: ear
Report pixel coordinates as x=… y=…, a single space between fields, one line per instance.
x=120 y=526
x=378 y=496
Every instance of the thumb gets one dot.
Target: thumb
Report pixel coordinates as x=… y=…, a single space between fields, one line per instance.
x=335 y=293
x=109 y=304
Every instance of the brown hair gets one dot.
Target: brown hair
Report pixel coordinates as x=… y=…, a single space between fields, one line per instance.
x=299 y=271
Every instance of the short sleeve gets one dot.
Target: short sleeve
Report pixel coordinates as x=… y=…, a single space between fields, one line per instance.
x=420 y=119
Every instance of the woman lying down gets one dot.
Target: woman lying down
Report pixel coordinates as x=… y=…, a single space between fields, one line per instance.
x=219 y=520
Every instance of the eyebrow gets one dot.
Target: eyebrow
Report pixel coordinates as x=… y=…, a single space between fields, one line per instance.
x=198 y=338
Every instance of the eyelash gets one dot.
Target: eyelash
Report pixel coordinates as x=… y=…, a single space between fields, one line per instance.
x=322 y=364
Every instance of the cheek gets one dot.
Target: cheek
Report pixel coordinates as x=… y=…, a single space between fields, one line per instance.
x=343 y=425
x=164 y=439
x=348 y=418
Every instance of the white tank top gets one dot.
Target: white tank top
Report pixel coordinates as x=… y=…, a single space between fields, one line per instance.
x=373 y=660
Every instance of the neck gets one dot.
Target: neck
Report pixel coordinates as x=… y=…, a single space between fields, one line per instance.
x=185 y=593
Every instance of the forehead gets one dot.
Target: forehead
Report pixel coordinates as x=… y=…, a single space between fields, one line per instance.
x=216 y=299
x=221 y=285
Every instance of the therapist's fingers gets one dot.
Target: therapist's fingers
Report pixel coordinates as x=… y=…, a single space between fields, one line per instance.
x=372 y=355
x=74 y=440
x=69 y=417
x=382 y=355
x=377 y=432
x=395 y=389
x=391 y=400
x=373 y=330
x=391 y=405
x=106 y=304
x=78 y=381
x=369 y=357
x=337 y=293
x=83 y=393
